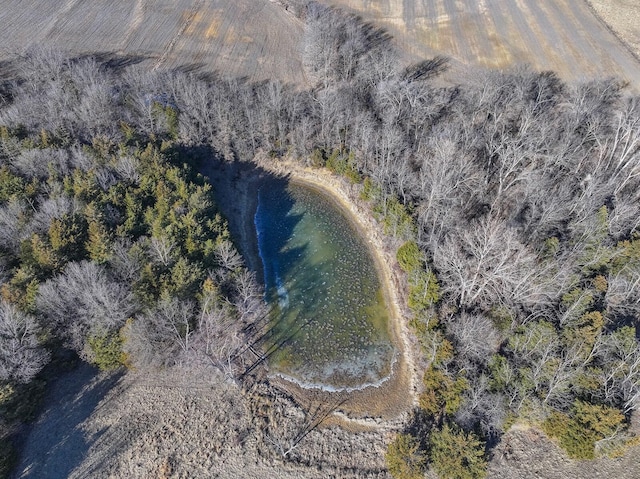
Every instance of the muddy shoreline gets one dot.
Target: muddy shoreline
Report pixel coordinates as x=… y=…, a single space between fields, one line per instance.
x=237 y=186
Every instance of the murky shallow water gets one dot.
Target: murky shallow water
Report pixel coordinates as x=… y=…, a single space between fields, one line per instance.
x=329 y=320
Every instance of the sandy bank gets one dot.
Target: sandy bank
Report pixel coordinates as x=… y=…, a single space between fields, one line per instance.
x=239 y=185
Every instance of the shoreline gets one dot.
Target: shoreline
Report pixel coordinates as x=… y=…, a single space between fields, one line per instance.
x=397 y=394
x=403 y=378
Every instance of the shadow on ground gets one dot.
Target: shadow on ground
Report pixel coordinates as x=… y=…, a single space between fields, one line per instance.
x=56 y=444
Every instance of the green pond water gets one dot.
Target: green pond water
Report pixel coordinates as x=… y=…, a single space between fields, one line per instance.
x=329 y=324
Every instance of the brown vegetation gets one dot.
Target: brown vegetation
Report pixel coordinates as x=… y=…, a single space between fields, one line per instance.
x=192 y=423
x=187 y=423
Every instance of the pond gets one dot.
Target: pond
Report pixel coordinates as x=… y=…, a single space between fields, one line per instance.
x=329 y=323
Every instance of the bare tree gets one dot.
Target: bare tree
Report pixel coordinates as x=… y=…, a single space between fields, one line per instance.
x=489 y=266
x=476 y=338
x=96 y=111
x=83 y=300
x=218 y=336
x=54 y=207
x=127 y=258
x=227 y=255
x=37 y=163
x=446 y=182
x=482 y=406
x=11 y=220
x=623 y=292
x=249 y=297
x=163 y=250
x=162 y=335
x=340 y=47
x=21 y=356
x=620 y=356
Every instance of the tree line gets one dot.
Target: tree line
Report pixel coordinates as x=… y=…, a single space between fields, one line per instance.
x=111 y=244
x=512 y=195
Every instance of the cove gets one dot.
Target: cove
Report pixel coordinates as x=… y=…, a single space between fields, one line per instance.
x=329 y=323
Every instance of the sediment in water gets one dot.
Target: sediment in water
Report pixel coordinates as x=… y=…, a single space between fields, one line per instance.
x=329 y=320
x=236 y=186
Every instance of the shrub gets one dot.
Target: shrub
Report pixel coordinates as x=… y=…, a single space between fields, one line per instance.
x=456 y=454
x=404 y=458
x=424 y=290
x=586 y=424
x=370 y=191
x=107 y=351
x=442 y=393
x=409 y=256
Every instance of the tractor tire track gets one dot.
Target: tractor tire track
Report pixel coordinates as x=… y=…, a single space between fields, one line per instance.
x=191 y=15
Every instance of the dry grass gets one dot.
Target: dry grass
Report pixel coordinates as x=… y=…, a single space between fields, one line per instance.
x=527 y=452
x=190 y=422
x=183 y=423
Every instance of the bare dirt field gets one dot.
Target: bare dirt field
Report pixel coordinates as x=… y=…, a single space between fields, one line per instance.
x=254 y=38
x=560 y=35
x=262 y=39
x=623 y=17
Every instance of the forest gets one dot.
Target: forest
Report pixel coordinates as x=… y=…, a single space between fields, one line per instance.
x=513 y=198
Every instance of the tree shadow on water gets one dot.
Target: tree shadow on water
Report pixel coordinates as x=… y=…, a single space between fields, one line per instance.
x=276 y=221
x=291 y=269
x=260 y=211
x=263 y=213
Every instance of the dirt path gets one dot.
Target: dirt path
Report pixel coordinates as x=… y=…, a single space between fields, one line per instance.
x=188 y=19
x=137 y=17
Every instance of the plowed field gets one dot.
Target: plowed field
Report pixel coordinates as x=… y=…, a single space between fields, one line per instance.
x=260 y=39
x=560 y=35
x=254 y=38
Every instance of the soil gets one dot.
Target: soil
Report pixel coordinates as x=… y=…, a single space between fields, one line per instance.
x=263 y=39
x=559 y=35
x=257 y=39
x=623 y=17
